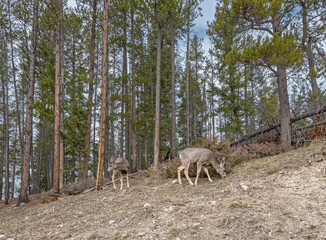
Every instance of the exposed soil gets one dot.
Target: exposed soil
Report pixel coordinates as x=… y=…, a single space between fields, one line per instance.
x=278 y=197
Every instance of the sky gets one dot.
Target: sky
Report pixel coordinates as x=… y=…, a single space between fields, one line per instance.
x=208 y=10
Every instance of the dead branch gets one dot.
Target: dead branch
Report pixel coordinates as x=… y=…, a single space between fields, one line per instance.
x=274 y=126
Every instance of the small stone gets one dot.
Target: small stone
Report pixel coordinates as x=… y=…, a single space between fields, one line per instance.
x=2 y=236
x=147 y=205
x=244 y=187
x=111 y=222
x=26 y=218
x=174 y=181
x=177 y=238
x=213 y=202
x=123 y=236
x=197 y=224
x=140 y=234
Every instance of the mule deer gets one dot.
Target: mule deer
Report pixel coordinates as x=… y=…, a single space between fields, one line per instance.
x=119 y=165
x=203 y=157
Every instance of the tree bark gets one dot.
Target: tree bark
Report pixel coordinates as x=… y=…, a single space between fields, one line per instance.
x=56 y=165
x=282 y=90
x=15 y=85
x=174 y=136
x=6 y=124
x=103 y=104
x=62 y=150
x=23 y=197
x=134 y=153
x=90 y=93
x=306 y=46
x=157 y=102
x=187 y=80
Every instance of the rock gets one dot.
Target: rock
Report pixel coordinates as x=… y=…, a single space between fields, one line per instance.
x=2 y=236
x=244 y=187
x=141 y=234
x=147 y=205
x=123 y=236
x=174 y=181
x=197 y=224
x=111 y=222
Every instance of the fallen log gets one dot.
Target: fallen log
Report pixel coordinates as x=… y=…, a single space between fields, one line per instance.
x=274 y=126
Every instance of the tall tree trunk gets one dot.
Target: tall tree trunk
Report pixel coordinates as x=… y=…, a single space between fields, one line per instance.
x=56 y=166
x=134 y=153
x=126 y=93
x=62 y=150
x=187 y=80
x=95 y=117
x=252 y=117
x=112 y=140
x=157 y=102
x=246 y=102
x=306 y=46
x=212 y=105
x=15 y=84
x=174 y=136
x=6 y=123
x=90 y=93
x=103 y=104
x=23 y=197
x=282 y=91
x=107 y=132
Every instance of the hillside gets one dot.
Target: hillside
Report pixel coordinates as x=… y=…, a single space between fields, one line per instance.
x=279 y=197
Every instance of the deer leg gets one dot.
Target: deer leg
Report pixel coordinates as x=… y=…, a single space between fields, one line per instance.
x=127 y=179
x=121 y=180
x=113 y=174
x=206 y=171
x=187 y=175
x=179 y=173
x=199 y=166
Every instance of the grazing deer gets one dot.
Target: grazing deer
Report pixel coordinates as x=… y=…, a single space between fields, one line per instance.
x=203 y=157
x=119 y=165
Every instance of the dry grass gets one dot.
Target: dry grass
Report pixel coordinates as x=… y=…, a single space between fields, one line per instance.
x=278 y=197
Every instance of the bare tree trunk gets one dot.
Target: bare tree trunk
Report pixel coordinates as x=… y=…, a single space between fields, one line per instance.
x=252 y=118
x=62 y=150
x=107 y=132
x=157 y=102
x=94 y=115
x=282 y=91
x=126 y=93
x=6 y=124
x=56 y=166
x=174 y=136
x=246 y=102
x=306 y=46
x=15 y=85
x=103 y=104
x=90 y=93
x=36 y=180
x=187 y=81
x=112 y=141
x=145 y=142
x=134 y=154
x=212 y=104
x=23 y=197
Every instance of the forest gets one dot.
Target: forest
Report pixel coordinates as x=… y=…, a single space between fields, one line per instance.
x=131 y=78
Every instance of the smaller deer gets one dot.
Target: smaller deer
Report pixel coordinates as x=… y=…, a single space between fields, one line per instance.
x=120 y=165
x=203 y=157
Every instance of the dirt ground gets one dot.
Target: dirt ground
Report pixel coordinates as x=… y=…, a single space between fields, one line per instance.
x=279 y=197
